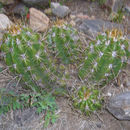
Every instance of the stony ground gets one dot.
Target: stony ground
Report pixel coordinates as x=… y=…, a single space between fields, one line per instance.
x=69 y=119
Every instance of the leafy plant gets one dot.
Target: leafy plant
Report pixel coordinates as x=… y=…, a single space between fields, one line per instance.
x=43 y=102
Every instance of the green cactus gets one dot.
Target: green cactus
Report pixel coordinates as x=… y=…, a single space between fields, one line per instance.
x=105 y=57
x=87 y=99
x=25 y=55
x=63 y=43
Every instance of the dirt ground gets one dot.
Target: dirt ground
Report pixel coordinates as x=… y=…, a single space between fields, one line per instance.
x=68 y=118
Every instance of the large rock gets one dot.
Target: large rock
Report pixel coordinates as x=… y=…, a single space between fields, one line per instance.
x=93 y=27
x=59 y=10
x=38 y=20
x=38 y=3
x=7 y=2
x=119 y=106
x=4 y=22
x=115 y=5
x=20 y=9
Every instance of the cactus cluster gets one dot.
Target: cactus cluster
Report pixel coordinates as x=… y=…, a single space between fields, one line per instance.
x=88 y=99
x=47 y=62
x=25 y=55
x=105 y=57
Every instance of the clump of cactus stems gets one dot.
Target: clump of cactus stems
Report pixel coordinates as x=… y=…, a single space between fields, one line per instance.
x=63 y=43
x=87 y=99
x=25 y=55
x=49 y=61
x=105 y=57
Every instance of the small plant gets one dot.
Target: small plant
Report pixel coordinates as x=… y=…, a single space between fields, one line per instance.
x=43 y=102
x=88 y=100
x=118 y=17
x=105 y=57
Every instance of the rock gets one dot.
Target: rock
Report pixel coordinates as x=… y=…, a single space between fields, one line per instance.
x=82 y=16
x=115 y=5
x=59 y=10
x=119 y=106
x=38 y=20
x=25 y=119
x=20 y=9
x=22 y=118
x=37 y=3
x=48 y=11
x=7 y=2
x=72 y=23
x=72 y=17
x=4 y=22
x=93 y=27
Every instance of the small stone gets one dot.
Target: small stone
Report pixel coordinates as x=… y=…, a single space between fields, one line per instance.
x=4 y=22
x=119 y=106
x=48 y=11
x=38 y=20
x=99 y=125
x=72 y=17
x=82 y=16
x=72 y=23
x=92 y=17
x=20 y=9
x=93 y=27
x=59 y=10
x=7 y=2
x=109 y=94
